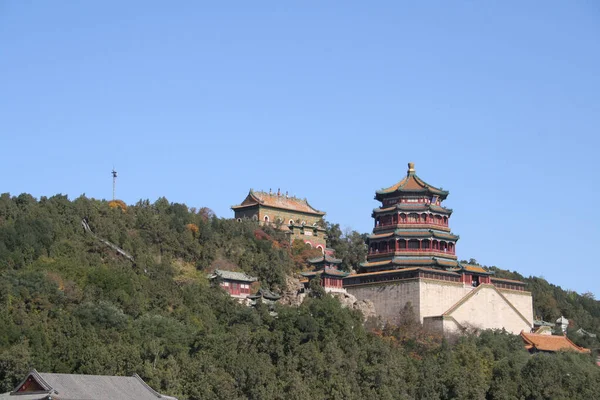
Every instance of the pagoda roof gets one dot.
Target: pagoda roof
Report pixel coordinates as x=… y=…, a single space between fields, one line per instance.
x=266 y=294
x=325 y=258
x=552 y=343
x=402 y=270
x=421 y=233
x=327 y=271
x=414 y=207
x=411 y=184
x=283 y=202
x=412 y=261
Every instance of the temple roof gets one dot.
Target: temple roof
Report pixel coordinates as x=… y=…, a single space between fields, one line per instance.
x=265 y=294
x=552 y=343
x=90 y=387
x=473 y=269
x=414 y=207
x=230 y=275
x=277 y=201
x=424 y=233
x=541 y=322
x=327 y=271
x=325 y=258
x=411 y=184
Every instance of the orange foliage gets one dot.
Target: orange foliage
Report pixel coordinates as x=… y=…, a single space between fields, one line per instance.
x=192 y=228
x=118 y=204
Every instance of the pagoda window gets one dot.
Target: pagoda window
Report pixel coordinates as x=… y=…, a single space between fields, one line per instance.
x=402 y=244
x=438 y=220
x=412 y=218
x=413 y=244
x=426 y=244
x=403 y=218
x=377 y=221
x=395 y=219
x=423 y=218
x=392 y=245
x=446 y=221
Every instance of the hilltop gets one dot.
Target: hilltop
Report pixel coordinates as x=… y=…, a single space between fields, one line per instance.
x=70 y=302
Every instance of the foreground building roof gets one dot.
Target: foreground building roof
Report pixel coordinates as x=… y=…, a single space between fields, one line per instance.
x=47 y=386
x=538 y=342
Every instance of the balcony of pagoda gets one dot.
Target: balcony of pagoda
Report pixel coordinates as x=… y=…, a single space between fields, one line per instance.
x=405 y=220
x=411 y=252
x=420 y=225
x=412 y=247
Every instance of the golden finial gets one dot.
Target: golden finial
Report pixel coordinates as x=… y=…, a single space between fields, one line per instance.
x=411 y=167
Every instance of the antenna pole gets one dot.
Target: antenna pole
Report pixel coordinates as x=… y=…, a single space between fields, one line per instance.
x=114 y=175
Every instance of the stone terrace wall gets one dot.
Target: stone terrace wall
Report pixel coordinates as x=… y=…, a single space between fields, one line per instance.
x=389 y=298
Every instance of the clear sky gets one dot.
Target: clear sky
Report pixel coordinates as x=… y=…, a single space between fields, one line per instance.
x=497 y=102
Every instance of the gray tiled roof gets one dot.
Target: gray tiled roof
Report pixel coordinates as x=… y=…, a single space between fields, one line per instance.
x=88 y=387
x=234 y=276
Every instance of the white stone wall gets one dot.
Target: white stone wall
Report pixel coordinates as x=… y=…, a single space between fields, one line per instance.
x=449 y=325
x=389 y=298
x=522 y=302
x=439 y=296
x=487 y=309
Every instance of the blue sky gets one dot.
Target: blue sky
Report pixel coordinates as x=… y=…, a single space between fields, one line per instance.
x=499 y=103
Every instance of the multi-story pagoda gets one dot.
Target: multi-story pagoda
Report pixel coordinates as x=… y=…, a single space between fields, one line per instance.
x=412 y=260
x=411 y=227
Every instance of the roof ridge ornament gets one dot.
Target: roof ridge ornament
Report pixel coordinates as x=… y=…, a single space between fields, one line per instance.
x=411 y=168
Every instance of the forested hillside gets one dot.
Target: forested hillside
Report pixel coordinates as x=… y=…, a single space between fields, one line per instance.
x=70 y=303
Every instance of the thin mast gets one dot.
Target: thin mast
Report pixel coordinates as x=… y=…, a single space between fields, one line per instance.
x=114 y=175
